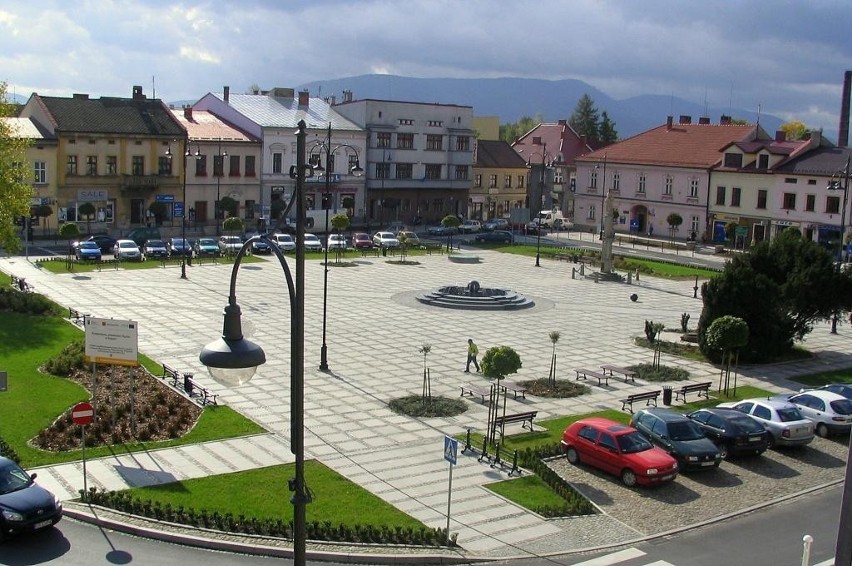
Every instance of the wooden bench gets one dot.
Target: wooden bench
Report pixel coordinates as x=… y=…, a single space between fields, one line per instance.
x=602 y=378
x=430 y=247
x=522 y=418
x=21 y=284
x=171 y=373
x=369 y=251
x=77 y=317
x=647 y=396
x=475 y=390
x=193 y=388
x=514 y=387
x=703 y=389
x=627 y=373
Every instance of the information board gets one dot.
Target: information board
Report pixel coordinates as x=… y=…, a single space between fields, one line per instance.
x=110 y=341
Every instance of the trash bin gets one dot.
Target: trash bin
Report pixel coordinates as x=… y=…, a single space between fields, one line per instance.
x=384 y=252
x=187 y=384
x=667 y=394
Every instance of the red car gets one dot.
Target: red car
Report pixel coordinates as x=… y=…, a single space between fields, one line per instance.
x=618 y=449
x=361 y=240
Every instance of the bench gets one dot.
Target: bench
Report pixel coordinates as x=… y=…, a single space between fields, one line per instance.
x=475 y=390
x=703 y=389
x=627 y=373
x=522 y=418
x=77 y=317
x=514 y=388
x=171 y=373
x=191 y=387
x=602 y=378
x=647 y=396
x=21 y=284
x=430 y=247
x=369 y=251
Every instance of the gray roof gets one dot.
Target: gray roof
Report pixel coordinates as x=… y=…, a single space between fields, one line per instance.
x=108 y=115
x=285 y=112
x=491 y=153
x=28 y=128
x=821 y=161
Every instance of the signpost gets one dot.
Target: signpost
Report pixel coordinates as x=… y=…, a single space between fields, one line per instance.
x=451 y=450
x=82 y=414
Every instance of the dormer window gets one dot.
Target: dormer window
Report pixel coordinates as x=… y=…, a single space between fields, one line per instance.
x=734 y=160
x=763 y=161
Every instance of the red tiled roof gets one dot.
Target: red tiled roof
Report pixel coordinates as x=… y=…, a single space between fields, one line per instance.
x=561 y=139
x=205 y=126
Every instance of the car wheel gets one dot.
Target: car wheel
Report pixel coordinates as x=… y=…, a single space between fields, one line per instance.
x=724 y=450
x=771 y=441
x=628 y=478
x=822 y=430
x=572 y=456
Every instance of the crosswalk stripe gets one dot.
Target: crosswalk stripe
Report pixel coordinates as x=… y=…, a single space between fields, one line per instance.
x=614 y=558
x=828 y=562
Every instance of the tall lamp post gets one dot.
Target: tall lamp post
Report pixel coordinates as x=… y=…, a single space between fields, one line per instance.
x=603 y=194
x=326 y=147
x=541 y=186
x=220 y=161
x=232 y=360
x=186 y=154
x=835 y=185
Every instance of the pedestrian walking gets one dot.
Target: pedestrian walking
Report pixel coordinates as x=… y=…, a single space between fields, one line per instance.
x=472 y=351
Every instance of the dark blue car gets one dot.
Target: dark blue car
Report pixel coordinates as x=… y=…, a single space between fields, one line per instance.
x=24 y=506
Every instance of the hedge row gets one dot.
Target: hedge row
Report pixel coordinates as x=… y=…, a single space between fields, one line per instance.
x=575 y=503
x=7 y=452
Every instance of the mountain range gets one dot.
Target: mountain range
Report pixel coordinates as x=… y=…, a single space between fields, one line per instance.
x=512 y=98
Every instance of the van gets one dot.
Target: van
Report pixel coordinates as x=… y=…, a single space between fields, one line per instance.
x=553 y=219
x=140 y=235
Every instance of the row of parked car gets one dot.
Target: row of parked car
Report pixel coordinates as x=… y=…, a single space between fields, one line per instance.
x=660 y=443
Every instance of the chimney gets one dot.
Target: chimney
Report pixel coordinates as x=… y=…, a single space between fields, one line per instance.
x=563 y=122
x=843 y=131
x=304 y=97
x=725 y=120
x=333 y=100
x=669 y=120
x=226 y=93
x=684 y=119
x=704 y=120
x=187 y=113
x=77 y=96
x=347 y=96
x=137 y=93
x=780 y=135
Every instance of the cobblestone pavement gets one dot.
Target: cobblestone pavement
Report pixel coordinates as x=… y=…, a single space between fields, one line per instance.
x=736 y=485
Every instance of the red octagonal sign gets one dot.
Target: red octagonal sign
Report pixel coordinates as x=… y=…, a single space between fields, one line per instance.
x=82 y=413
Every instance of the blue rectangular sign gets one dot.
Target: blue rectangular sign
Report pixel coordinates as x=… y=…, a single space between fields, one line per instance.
x=165 y=198
x=178 y=209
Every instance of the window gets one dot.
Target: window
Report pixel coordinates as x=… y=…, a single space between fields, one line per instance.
x=249 y=209
x=593 y=179
x=435 y=123
x=694 y=224
x=433 y=171
x=463 y=143
x=588 y=433
x=558 y=176
x=434 y=142
x=791 y=180
x=40 y=172
x=643 y=182
x=406 y=122
x=734 y=160
x=250 y=172
x=521 y=181
x=616 y=181
x=736 y=195
x=137 y=165
x=112 y=165
x=608 y=442
x=477 y=180
x=383 y=139
x=218 y=165
x=763 y=161
x=762 y=413
x=234 y=166
x=353 y=162
x=810 y=203
x=667 y=189
x=91 y=165
x=164 y=165
x=200 y=165
x=404 y=170
x=720 y=196
x=382 y=170
x=277 y=159
x=591 y=214
x=492 y=181
x=761 y=198
x=461 y=172
x=405 y=141
x=71 y=165
x=693 y=188
x=832 y=205
x=789 y=201
x=507 y=181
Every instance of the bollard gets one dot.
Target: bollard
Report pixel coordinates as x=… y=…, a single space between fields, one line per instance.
x=515 y=467
x=630 y=278
x=637 y=274
x=596 y=276
x=583 y=269
x=807 y=541
x=467 y=444
x=573 y=273
x=496 y=461
x=484 y=450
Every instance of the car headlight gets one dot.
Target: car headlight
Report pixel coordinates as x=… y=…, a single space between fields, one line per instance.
x=651 y=471
x=57 y=502
x=692 y=458
x=12 y=515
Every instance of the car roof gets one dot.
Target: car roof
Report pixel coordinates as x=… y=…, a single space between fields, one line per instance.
x=666 y=415
x=124 y=241
x=821 y=393
x=774 y=402
x=606 y=424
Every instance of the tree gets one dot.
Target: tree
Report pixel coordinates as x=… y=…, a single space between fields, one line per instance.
x=585 y=119
x=727 y=334
x=427 y=382
x=42 y=211
x=608 y=133
x=451 y=223
x=674 y=220
x=794 y=130
x=69 y=231
x=780 y=289
x=402 y=237
x=339 y=222
x=15 y=191
x=87 y=210
x=510 y=133
x=500 y=361
x=229 y=205
x=551 y=378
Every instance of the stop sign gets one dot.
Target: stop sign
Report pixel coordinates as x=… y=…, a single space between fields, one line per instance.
x=82 y=413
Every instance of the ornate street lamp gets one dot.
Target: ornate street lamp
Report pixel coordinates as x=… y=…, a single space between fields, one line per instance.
x=218 y=170
x=186 y=154
x=541 y=187
x=835 y=185
x=603 y=194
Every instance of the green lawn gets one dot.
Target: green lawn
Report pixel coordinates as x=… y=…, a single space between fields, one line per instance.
x=59 y=265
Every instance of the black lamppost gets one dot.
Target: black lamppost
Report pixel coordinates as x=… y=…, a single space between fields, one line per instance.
x=325 y=146
x=541 y=187
x=219 y=170
x=186 y=154
x=603 y=194
x=834 y=185
x=232 y=360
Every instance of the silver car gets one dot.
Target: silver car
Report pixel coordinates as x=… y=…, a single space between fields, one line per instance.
x=783 y=419
x=830 y=412
x=126 y=249
x=285 y=242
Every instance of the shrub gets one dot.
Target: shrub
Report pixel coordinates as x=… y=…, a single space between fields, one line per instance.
x=72 y=357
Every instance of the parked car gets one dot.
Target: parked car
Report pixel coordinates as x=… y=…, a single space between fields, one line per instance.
x=104 y=242
x=441 y=230
x=230 y=245
x=285 y=242
x=411 y=239
x=497 y=224
x=395 y=227
x=618 y=449
x=495 y=237
x=361 y=240
x=679 y=436
x=312 y=243
x=206 y=247
x=140 y=235
x=470 y=226
x=180 y=247
x=155 y=249
x=562 y=224
x=126 y=250
x=24 y=505
x=87 y=251
x=784 y=420
x=260 y=247
x=731 y=431
x=385 y=240
x=830 y=412
x=336 y=242
x=844 y=389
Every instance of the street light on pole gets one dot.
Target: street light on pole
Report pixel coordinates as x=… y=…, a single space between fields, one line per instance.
x=232 y=360
x=541 y=187
x=218 y=170
x=325 y=146
x=834 y=185
x=603 y=194
x=186 y=154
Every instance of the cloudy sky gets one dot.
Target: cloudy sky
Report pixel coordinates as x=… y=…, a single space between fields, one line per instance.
x=788 y=57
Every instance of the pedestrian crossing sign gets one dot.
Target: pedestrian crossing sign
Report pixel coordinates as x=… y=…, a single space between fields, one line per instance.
x=451 y=449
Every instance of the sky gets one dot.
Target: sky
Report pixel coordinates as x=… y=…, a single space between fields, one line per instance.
x=785 y=58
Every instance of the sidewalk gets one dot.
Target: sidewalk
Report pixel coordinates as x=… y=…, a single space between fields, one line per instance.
x=375 y=329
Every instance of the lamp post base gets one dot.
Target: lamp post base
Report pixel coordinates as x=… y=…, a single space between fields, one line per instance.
x=183 y=269
x=323 y=358
x=537 y=258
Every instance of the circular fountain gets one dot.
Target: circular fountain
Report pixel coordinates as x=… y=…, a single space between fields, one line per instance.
x=473 y=296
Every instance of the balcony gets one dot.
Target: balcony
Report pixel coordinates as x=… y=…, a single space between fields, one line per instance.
x=140 y=182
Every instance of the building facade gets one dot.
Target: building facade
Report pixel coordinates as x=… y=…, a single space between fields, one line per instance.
x=499 y=181
x=41 y=158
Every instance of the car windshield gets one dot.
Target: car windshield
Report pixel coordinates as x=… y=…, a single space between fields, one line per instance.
x=788 y=414
x=842 y=406
x=156 y=244
x=206 y=242
x=13 y=478
x=89 y=245
x=633 y=442
x=127 y=245
x=686 y=430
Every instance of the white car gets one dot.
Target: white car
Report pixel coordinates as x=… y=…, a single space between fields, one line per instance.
x=336 y=242
x=127 y=249
x=285 y=242
x=385 y=240
x=470 y=227
x=789 y=427
x=831 y=412
x=312 y=243
x=230 y=245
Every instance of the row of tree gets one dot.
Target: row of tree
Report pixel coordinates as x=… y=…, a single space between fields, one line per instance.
x=597 y=127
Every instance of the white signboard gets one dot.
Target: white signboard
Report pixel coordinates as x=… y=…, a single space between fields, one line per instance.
x=110 y=341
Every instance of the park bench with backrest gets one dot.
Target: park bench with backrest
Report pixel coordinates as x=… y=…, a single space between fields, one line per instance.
x=523 y=418
x=703 y=390
x=184 y=382
x=647 y=396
